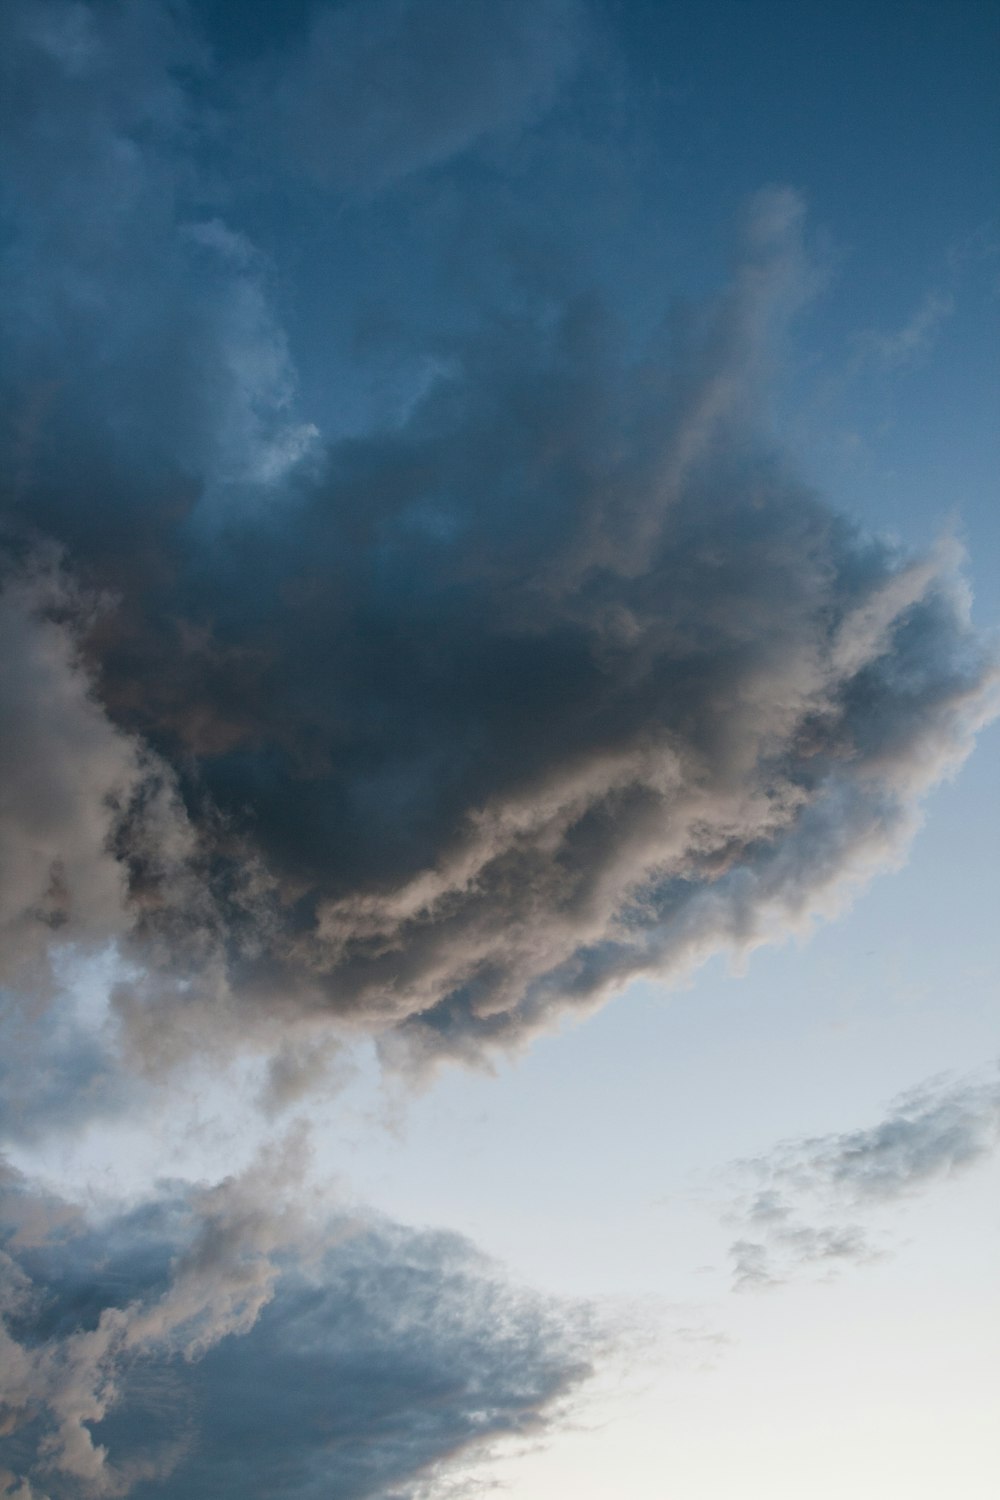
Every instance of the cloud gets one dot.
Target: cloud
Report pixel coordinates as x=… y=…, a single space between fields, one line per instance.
x=562 y=679
x=902 y=346
x=139 y=326
x=72 y=785
x=558 y=675
x=929 y=1135
x=139 y=1352
x=99 y=854
x=377 y=91
x=441 y=731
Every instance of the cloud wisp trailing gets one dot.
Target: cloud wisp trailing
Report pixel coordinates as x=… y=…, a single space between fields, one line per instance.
x=812 y=1197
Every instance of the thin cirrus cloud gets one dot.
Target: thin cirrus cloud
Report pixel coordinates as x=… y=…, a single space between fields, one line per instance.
x=810 y=1194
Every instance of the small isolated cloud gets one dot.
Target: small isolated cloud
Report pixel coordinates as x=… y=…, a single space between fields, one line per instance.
x=814 y=1198
x=893 y=349
x=221 y=1342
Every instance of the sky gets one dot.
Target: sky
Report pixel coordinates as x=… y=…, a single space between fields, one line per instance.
x=499 y=671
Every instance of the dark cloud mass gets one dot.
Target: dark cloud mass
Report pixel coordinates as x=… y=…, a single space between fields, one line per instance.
x=930 y=1134
x=218 y=1343
x=560 y=678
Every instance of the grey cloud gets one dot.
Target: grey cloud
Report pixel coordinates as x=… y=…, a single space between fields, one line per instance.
x=563 y=678
x=72 y=782
x=141 y=1354
x=792 y=1247
x=929 y=1135
x=559 y=685
x=132 y=312
x=97 y=850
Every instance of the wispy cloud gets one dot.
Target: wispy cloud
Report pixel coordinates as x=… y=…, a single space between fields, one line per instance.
x=895 y=348
x=811 y=1201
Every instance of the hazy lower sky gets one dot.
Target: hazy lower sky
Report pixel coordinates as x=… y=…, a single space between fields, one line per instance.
x=498 y=670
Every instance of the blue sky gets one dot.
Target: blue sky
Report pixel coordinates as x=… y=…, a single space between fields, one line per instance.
x=499 y=668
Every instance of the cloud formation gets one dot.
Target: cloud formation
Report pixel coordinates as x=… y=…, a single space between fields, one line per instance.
x=902 y=346
x=929 y=1135
x=551 y=674
x=443 y=729
x=138 y=1352
x=568 y=680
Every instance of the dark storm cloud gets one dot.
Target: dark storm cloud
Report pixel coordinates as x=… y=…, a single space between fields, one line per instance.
x=561 y=678
x=930 y=1135
x=220 y=1343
